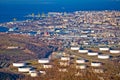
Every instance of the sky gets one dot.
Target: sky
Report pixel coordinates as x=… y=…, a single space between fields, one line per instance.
x=54 y=1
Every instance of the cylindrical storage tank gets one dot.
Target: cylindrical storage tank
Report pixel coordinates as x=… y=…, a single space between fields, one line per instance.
x=43 y=61
x=24 y=69
x=83 y=51
x=104 y=49
x=80 y=61
x=74 y=48
x=115 y=51
x=80 y=66
x=65 y=58
x=33 y=73
x=103 y=56
x=19 y=64
x=92 y=53
x=96 y=64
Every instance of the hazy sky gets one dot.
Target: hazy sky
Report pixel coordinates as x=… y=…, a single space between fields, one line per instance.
x=53 y=1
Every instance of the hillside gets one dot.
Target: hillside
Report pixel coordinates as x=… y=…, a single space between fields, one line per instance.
x=28 y=48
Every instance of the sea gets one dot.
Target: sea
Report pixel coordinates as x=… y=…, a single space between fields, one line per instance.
x=18 y=11
x=3 y=29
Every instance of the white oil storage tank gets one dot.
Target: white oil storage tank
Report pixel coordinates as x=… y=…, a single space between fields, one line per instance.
x=96 y=64
x=103 y=56
x=33 y=73
x=83 y=51
x=43 y=60
x=75 y=48
x=104 y=49
x=24 y=69
x=92 y=53
x=115 y=51
x=80 y=61
x=20 y=64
